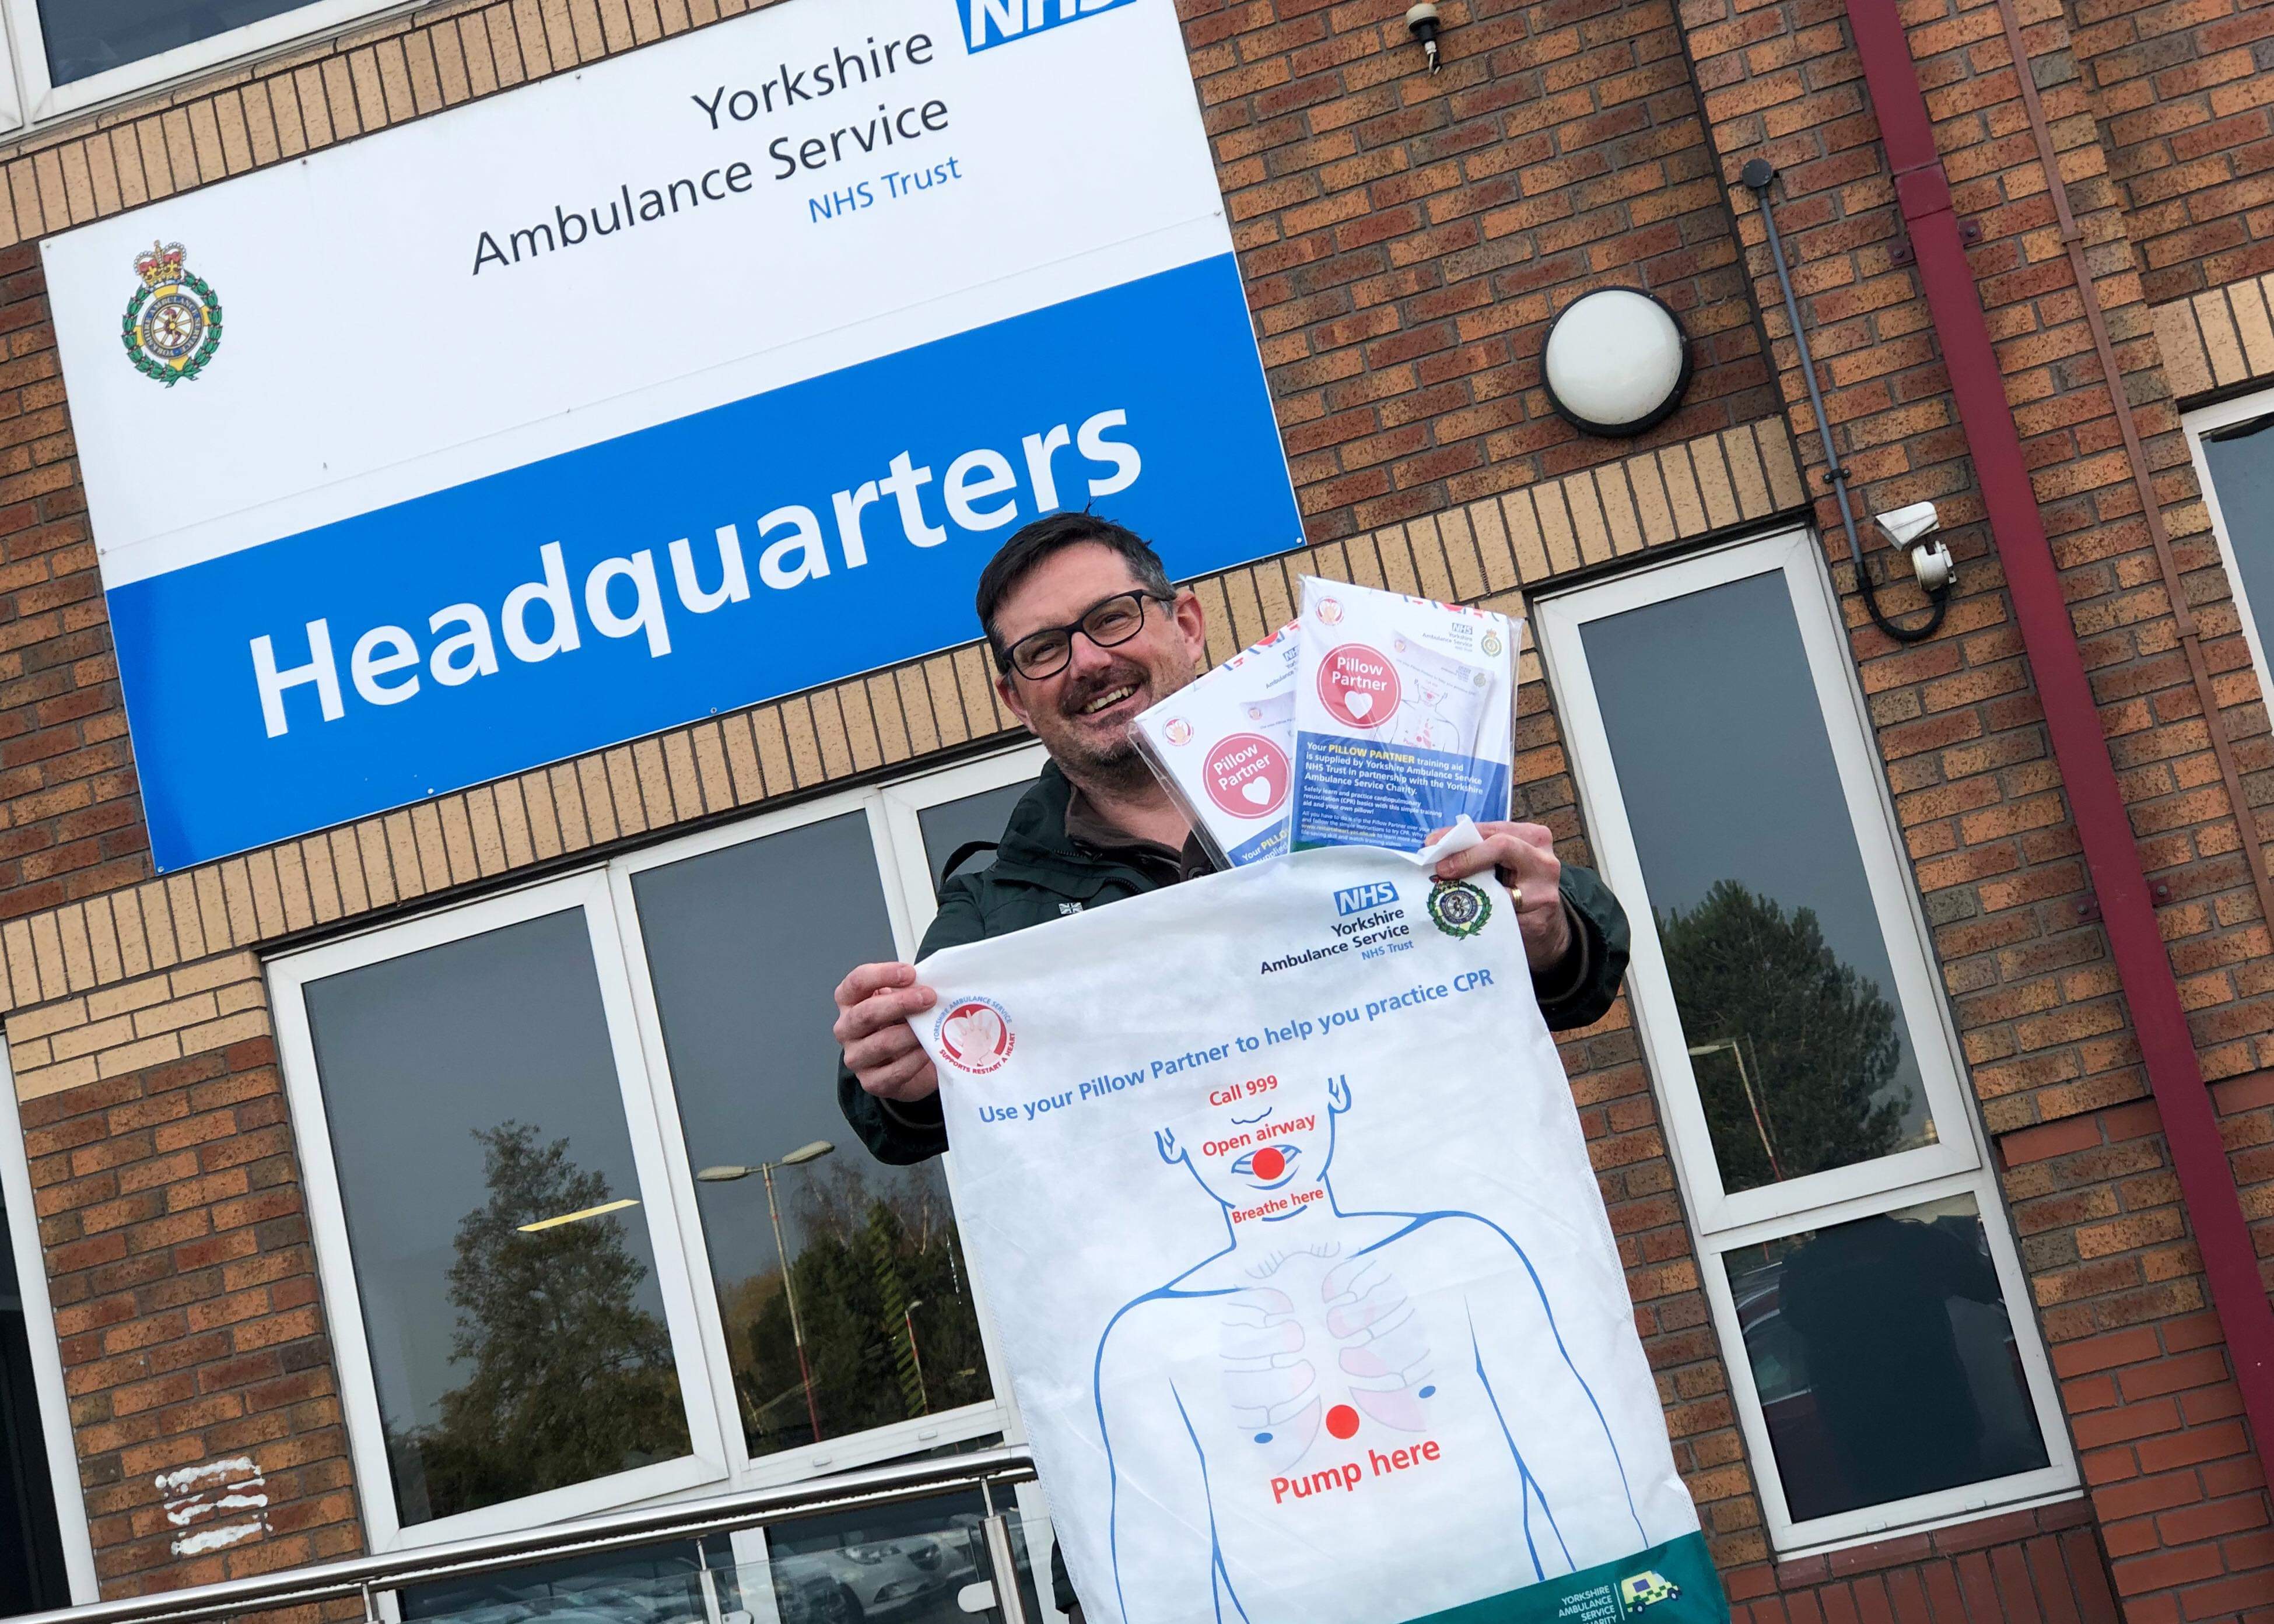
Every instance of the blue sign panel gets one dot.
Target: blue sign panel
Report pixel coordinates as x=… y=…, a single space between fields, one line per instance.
x=742 y=553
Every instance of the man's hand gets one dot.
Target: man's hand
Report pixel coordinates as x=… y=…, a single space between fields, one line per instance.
x=1524 y=855
x=873 y=1007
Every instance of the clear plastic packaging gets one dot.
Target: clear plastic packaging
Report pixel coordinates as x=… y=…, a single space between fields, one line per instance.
x=1404 y=716
x=1223 y=748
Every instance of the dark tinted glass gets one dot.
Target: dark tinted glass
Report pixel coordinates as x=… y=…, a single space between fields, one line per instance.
x=471 y=1091
x=661 y=1584
x=873 y=1321
x=31 y=1578
x=85 y=37
x=909 y=1563
x=1772 y=945
x=1885 y=1359
x=948 y=826
x=2242 y=462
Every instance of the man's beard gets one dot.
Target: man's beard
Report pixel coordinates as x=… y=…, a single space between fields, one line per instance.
x=1112 y=762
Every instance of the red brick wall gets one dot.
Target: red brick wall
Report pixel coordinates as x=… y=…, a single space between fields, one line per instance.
x=2185 y=104
x=185 y=1299
x=1406 y=239
x=2022 y=1567
x=70 y=822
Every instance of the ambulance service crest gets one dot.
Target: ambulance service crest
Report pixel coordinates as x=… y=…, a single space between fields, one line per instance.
x=1458 y=908
x=173 y=321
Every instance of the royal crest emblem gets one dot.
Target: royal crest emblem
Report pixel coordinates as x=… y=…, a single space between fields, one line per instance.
x=173 y=321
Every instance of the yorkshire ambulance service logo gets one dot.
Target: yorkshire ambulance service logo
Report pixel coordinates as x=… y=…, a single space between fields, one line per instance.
x=1458 y=908
x=975 y=1036
x=173 y=321
x=1491 y=644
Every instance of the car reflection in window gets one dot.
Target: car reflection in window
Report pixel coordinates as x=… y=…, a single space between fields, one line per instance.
x=911 y=1576
x=905 y=1564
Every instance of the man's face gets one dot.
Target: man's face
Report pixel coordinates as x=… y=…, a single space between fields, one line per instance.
x=1083 y=713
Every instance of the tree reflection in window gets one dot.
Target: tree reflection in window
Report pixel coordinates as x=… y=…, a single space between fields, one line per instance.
x=884 y=1297
x=1797 y=1056
x=567 y=1378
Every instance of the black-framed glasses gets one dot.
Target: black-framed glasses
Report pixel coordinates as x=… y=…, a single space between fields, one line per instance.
x=1108 y=623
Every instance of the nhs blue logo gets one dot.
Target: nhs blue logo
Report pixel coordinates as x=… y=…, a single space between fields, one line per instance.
x=1358 y=898
x=989 y=23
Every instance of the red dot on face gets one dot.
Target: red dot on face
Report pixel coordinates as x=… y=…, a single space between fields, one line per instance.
x=1270 y=1163
x=1342 y=1420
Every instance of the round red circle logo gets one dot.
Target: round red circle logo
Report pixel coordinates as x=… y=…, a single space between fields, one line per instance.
x=1358 y=685
x=975 y=1036
x=1248 y=775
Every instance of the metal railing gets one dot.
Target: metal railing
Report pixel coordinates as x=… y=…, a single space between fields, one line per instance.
x=364 y=1578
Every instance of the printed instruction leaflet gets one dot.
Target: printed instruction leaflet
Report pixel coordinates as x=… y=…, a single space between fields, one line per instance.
x=1403 y=716
x=1298 y=1264
x=1223 y=748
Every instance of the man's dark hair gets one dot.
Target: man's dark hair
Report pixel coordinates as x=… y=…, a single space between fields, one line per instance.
x=1031 y=543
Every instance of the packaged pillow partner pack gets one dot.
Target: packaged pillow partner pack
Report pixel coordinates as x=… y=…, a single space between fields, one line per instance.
x=1403 y=716
x=1223 y=748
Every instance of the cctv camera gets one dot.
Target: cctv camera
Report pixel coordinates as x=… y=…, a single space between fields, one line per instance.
x=1910 y=527
x=1421 y=22
x=1906 y=525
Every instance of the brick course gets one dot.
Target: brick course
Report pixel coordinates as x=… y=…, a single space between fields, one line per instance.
x=186 y=1298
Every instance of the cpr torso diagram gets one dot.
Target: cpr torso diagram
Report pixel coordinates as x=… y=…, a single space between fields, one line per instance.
x=1326 y=1365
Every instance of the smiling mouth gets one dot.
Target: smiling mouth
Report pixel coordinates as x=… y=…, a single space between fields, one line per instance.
x=1107 y=700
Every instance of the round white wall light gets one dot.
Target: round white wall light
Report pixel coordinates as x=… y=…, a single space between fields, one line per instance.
x=1617 y=362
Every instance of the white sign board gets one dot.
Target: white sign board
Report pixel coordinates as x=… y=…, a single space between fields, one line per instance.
x=1285 y=1215
x=710 y=372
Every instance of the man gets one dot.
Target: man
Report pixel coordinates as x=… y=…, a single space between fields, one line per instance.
x=1086 y=632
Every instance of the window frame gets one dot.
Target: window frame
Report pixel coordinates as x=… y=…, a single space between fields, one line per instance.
x=1917 y=992
x=704 y=1463
x=31 y=98
x=719 y=1456
x=958 y=1426
x=2197 y=424
x=1959 y=1163
x=904 y=801
x=60 y=1442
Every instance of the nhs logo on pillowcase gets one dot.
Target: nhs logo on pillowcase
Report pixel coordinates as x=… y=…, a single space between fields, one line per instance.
x=989 y=23
x=1358 y=898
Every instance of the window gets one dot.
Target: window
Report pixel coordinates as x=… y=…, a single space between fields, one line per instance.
x=1867 y=1291
x=32 y=1576
x=590 y=1226
x=2233 y=447
x=70 y=55
x=46 y=1558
